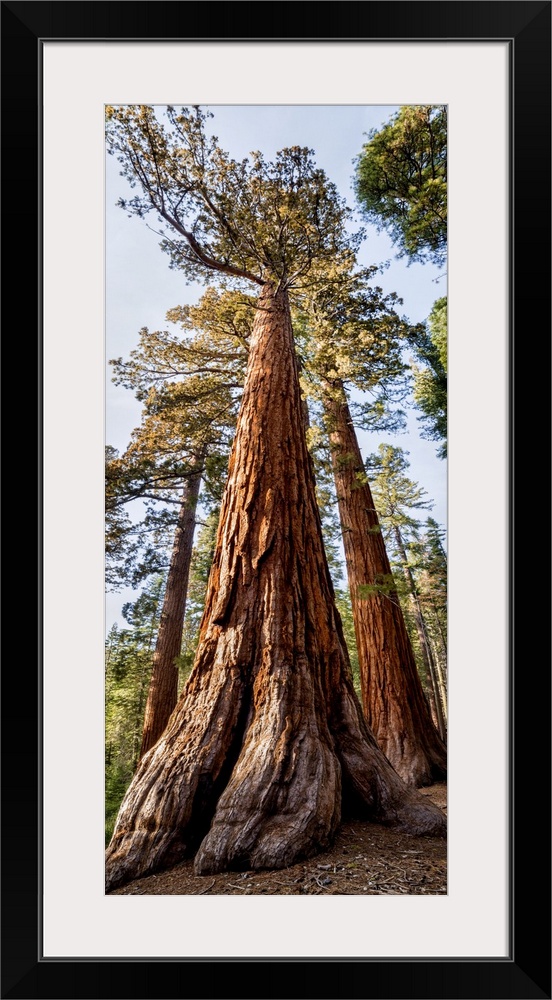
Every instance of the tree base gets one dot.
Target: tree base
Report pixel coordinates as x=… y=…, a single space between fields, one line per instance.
x=273 y=794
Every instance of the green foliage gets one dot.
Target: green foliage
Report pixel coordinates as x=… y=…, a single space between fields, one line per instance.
x=438 y=327
x=129 y=654
x=200 y=567
x=190 y=384
x=117 y=780
x=135 y=549
x=418 y=556
x=384 y=583
x=401 y=181
x=430 y=380
x=327 y=501
x=226 y=321
x=430 y=567
x=395 y=494
x=249 y=220
x=404 y=595
x=344 y=606
x=208 y=353
x=349 y=334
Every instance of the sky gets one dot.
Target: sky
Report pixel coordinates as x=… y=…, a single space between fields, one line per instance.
x=140 y=287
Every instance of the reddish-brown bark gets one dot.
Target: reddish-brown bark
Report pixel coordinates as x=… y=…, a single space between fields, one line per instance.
x=268 y=740
x=392 y=694
x=163 y=687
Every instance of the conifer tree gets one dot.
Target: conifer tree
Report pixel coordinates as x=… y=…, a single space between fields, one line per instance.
x=401 y=181
x=430 y=376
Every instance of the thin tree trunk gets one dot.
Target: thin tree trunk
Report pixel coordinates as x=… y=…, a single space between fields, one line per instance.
x=429 y=683
x=439 y=648
x=439 y=651
x=442 y=686
x=393 y=699
x=268 y=739
x=163 y=688
x=437 y=618
x=432 y=699
x=154 y=627
x=425 y=647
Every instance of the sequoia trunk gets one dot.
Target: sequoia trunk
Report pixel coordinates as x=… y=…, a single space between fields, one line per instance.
x=392 y=694
x=268 y=738
x=163 y=688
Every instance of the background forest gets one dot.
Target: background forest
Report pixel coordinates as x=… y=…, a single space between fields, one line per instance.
x=369 y=323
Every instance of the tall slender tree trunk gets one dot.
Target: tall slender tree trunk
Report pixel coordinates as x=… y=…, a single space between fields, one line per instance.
x=268 y=739
x=437 y=619
x=154 y=623
x=439 y=648
x=163 y=688
x=392 y=694
x=439 y=652
x=429 y=681
x=442 y=685
x=432 y=699
x=425 y=646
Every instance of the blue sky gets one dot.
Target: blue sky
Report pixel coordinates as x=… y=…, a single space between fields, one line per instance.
x=140 y=287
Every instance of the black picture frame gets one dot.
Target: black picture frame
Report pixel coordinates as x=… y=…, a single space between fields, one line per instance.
x=525 y=973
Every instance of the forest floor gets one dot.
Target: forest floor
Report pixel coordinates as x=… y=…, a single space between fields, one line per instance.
x=366 y=858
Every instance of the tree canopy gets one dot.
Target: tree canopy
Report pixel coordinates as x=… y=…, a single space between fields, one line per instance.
x=401 y=181
x=190 y=385
x=395 y=494
x=248 y=219
x=350 y=336
x=430 y=378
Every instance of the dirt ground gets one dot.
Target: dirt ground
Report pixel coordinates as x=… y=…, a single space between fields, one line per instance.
x=366 y=858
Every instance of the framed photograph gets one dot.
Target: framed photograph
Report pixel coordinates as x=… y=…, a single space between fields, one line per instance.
x=490 y=65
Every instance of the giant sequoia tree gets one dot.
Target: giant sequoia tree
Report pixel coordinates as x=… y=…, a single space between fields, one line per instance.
x=392 y=694
x=267 y=742
x=356 y=337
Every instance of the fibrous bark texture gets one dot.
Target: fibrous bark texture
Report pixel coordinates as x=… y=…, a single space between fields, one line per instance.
x=394 y=703
x=163 y=688
x=267 y=740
